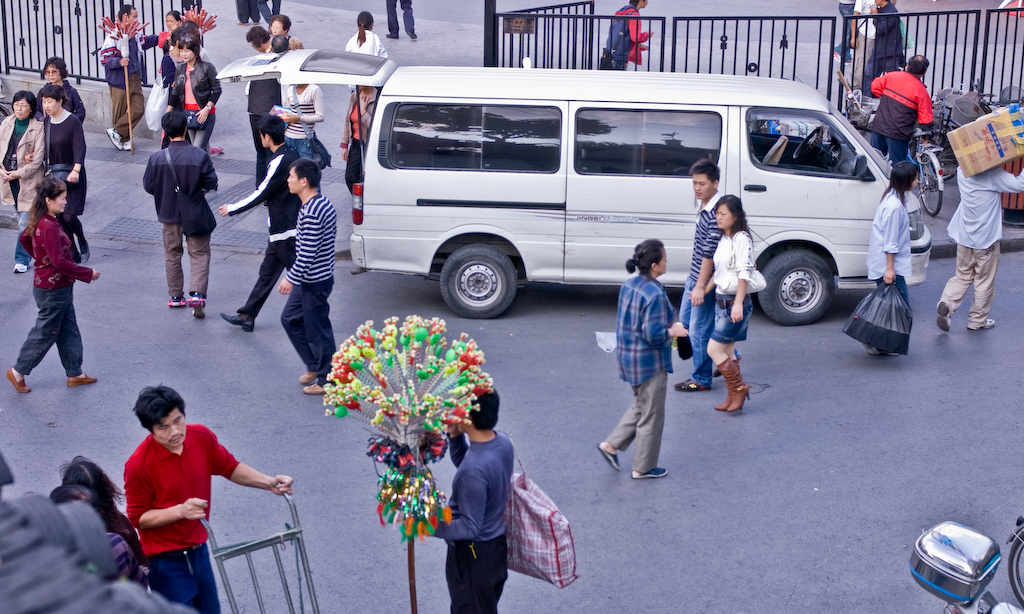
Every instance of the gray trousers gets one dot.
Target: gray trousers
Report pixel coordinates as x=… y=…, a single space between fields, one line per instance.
x=56 y=323
x=643 y=421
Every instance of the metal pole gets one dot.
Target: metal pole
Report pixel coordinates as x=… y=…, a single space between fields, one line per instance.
x=490 y=35
x=412 y=574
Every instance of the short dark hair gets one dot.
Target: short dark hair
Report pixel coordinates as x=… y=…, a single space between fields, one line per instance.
x=285 y=22
x=71 y=493
x=485 y=418
x=645 y=254
x=156 y=403
x=28 y=97
x=918 y=65
x=192 y=44
x=257 y=36
x=279 y=44
x=174 y=123
x=126 y=9
x=55 y=92
x=307 y=169
x=58 y=63
x=272 y=126
x=707 y=168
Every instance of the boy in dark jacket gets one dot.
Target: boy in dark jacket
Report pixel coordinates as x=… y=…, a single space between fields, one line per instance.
x=283 y=208
x=116 y=54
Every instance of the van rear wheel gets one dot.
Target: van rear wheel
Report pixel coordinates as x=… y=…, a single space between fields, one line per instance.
x=800 y=288
x=478 y=281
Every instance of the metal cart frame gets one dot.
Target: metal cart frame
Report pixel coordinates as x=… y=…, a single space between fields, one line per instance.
x=293 y=534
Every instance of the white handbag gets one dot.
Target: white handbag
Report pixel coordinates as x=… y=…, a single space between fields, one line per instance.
x=156 y=106
x=730 y=284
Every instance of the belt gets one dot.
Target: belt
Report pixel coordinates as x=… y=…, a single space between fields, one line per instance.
x=177 y=553
x=725 y=304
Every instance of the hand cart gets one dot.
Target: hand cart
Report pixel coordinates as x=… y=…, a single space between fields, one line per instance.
x=292 y=534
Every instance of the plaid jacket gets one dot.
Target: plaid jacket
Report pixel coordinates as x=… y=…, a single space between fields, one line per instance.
x=644 y=347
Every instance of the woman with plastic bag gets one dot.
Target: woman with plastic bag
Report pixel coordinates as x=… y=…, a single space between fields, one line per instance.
x=889 y=246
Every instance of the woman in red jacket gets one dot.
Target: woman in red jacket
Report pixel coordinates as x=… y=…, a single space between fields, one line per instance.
x=54 y=278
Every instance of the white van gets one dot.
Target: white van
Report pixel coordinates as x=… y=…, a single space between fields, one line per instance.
x=488 y=178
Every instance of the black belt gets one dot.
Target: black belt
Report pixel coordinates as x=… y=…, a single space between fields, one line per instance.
x=725 y=304
x=177 y=553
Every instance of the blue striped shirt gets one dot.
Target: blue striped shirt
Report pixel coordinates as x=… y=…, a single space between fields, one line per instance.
x=314 y=242
x=644 y=347
x=705 y=239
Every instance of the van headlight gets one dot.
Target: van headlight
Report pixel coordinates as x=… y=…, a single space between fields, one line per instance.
x=916 y=225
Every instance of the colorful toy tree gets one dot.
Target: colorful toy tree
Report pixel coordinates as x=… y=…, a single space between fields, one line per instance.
x=409 y=386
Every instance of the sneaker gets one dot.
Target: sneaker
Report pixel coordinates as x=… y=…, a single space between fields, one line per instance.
x=943 y=320
x=197 y=301
x=690 y=386
x=216 y=151
x=412 y=35
x=838 y=58
x=657 y=472
x=126 y=146
x=114 y=136
x=989 y=323
x=20 y=268
x=176 y=301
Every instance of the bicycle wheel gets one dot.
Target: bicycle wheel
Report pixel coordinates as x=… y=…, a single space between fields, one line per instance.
x=1013 y=568
x=4 y=110
x=929 y=189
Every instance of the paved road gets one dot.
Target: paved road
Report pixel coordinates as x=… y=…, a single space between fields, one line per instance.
x=807 y=502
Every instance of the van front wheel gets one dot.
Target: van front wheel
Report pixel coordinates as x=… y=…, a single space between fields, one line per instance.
x=800 y=288
x=478 y=281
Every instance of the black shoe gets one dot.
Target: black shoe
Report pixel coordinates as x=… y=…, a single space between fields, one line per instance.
x=392 y=36
x=412 y=35
x=246 y=325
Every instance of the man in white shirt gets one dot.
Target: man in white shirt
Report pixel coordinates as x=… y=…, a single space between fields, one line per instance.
x=977 y=227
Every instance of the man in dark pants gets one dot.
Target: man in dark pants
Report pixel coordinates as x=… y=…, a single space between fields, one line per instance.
x=410 y=23
x=904 y=103
x=308 y=284
x=283 y=208
x=167 y=487
x=477 y=564
x=263 y=95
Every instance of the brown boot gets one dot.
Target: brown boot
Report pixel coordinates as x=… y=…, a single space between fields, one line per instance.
x=738 y=389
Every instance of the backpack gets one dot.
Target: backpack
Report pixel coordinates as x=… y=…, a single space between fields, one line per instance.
x=619 y=42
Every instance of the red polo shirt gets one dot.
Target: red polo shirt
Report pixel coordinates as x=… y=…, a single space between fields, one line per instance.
x=156 y=478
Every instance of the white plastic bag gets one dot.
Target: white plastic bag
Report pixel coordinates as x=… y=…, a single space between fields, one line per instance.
x=156 y=106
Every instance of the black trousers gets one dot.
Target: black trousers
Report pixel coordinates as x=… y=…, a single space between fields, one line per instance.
x=307 y=322
x=56 y=323
x=354 y=168
x=261 y=152
x=279 y=256
x=476 y=573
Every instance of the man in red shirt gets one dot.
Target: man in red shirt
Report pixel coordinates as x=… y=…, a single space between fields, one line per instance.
x=167 y=485
x=904 y=103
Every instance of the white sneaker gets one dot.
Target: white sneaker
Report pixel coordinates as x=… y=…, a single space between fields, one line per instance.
x=114 y=136
x=20 y=268
x=126 y=146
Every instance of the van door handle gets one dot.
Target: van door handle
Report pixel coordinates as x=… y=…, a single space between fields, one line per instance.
x=754 y=188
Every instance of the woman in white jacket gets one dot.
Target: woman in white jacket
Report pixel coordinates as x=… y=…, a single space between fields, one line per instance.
x=366 y=42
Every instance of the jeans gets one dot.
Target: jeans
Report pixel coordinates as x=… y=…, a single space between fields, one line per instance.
x=727 y=331
x=266 y=11
x=279 y=256
x=846 y=10
x=20 y=255
x=247 y=9
x=307 y=322
x=56 y=323
x=894 y=148
x=301 y=147
x=901 y=285
x=201 y=138
x=410 y=23
x=700 y=321
x=186 y=578
x=476 y=573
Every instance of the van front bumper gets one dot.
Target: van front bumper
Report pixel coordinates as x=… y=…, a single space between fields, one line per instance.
x=919 y=258
x=356 y=246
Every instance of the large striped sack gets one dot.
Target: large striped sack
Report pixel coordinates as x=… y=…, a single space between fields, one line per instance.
x=539 y=538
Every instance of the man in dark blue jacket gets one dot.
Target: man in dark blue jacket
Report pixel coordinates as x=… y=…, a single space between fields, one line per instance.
x=283 y=207
x=194 y=172
x=117 y=54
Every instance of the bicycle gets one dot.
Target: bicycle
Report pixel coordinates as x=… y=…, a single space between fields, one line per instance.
x=923 y=153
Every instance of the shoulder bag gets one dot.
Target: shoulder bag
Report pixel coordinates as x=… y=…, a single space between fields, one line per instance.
x=729 y=286
x=196 y=217
x=57 y=171
x=320 y=154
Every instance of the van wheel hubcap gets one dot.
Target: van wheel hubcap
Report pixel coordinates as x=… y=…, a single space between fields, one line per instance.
x=800 y=290
x=479 y=283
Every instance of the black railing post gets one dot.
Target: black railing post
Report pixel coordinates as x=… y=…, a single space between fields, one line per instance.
x=490 y=33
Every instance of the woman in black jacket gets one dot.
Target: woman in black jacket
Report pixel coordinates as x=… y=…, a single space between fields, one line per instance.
x=196 y=92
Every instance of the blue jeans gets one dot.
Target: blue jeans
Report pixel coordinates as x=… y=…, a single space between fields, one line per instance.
x=410 y=23
x=20 y=255
x=301 y=147
x=307 y=322
x=186 y=578
x=894 y=148
x=266 y=11
x=727 y=331
x=700 y=321
x=56 y=323
x=901 y=285
x=846 y=10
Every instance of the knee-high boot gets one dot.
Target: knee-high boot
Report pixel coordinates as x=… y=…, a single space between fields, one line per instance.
x=738 y=390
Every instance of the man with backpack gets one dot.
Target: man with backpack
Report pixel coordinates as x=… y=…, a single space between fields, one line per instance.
x=625 y=40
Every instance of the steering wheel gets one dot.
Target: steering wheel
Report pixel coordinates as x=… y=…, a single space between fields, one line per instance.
x=813 y=140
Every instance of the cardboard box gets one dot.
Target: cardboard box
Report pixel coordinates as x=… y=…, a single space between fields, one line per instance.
x=989 y=141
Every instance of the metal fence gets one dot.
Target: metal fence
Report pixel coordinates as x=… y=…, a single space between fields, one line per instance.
x=1002 y=64
x=34 y=30
x=784 y=47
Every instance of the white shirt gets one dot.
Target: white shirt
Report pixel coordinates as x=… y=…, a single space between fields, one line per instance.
x=739 y=245
x=890 y=234
x=978 y=221
x=864 y=8
x=372 y=46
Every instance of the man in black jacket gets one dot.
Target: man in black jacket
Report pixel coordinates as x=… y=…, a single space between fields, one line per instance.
x=263 y=95
x=195 y=175
x=283 y=207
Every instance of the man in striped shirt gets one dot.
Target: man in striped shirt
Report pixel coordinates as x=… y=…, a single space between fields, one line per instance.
x=308 y=284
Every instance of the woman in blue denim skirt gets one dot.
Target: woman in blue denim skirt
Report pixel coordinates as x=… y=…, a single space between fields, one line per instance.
x=734 y=259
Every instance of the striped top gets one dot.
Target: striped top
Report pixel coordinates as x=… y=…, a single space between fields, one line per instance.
x=314 y=243
x=311 y=110
x=705 y=239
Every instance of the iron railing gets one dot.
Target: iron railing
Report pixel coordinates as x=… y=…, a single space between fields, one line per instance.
x=1002 y=65
x=34 y=30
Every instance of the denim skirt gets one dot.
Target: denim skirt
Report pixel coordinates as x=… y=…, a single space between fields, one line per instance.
x=726 y=331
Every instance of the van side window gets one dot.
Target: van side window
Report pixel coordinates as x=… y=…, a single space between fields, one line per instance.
x=476 y=137
x=655 y=143
x=801 y=142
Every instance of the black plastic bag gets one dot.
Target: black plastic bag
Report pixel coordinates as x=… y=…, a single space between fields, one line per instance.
x=882 y=320
x=684 y=348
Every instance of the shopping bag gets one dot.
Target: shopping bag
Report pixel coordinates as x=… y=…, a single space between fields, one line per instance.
x=882 y=320
x=156 y=106
x=538 y=535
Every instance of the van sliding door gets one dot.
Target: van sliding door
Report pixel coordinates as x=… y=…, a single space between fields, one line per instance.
x=629 y=181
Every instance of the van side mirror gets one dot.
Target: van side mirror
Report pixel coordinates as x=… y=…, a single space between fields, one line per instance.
x=860 y=169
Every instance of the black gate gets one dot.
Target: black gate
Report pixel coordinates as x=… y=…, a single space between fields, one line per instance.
x=1002 y=63
x=34 y=30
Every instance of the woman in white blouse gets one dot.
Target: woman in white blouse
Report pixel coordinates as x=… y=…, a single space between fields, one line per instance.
x=734 y=258
x=366 y=42
x=311 y=111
